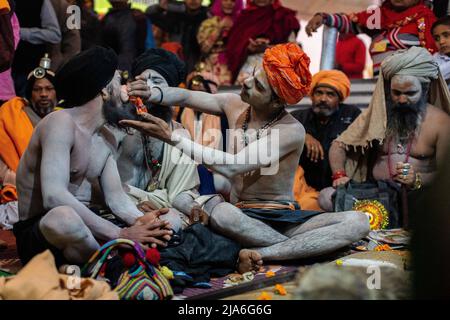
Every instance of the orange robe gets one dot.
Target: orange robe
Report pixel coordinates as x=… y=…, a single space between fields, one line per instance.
x=15 y=134
x=306 y=196
x=209 y=133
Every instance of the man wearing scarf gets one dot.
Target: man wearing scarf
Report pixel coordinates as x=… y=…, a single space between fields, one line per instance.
x=261 y=24
x=156 y=174
x=324 y=121
x=18 y=117
x=65 y=157
x=263 y=213
x=403 y=134
x=397 y=25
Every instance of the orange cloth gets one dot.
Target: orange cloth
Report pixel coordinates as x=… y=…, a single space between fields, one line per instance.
x=15 y=133
x=4 y=7
x=332 y=78
x=306 y=196
x=287 y=69
x=209 y=133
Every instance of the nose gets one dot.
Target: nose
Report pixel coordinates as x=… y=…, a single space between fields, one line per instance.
x=402 y=99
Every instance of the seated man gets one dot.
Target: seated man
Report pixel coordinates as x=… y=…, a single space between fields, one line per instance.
x=157 y=175
x=441 y=35
x=401 y=137
x=64 y=157
x=18 y=117
x=324 y=121
x=261 y=163
x=395 y=25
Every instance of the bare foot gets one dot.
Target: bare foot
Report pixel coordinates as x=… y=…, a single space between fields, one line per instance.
x=249 y=260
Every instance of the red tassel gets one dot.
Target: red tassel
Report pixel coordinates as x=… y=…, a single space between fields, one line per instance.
x=152 y=255
x=129 y=259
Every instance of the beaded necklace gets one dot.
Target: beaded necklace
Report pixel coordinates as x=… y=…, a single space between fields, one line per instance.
x=260 y=130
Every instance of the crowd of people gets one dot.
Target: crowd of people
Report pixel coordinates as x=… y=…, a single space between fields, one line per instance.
x=119 y=129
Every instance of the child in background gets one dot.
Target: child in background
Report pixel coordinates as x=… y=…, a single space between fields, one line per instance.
x=441 y=34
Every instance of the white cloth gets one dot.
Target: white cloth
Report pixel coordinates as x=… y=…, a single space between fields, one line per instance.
x=9 y=214
x=178 y=174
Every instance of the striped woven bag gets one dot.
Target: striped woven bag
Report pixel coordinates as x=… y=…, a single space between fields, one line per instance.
x=142 y=282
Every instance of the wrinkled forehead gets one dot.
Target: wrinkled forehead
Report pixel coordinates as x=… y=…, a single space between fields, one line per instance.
x=405 y=83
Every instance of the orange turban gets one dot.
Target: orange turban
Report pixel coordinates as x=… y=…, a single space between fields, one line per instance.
x=287 y=69
x=332 y=78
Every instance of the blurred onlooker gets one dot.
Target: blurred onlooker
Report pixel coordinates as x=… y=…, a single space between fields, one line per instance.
x=9 y=39
x=18 y=117
x=38 y=27
x=441 y=8
x=351 y=55
x=70 y=43
x=401 y=24
x=90 y=24
x=327 y=118
x=212 y=37
x=181 y=21
x=261 y=24
x=441 y=34
x=125 y=31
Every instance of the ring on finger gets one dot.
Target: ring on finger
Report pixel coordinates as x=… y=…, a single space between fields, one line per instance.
x=405 y=171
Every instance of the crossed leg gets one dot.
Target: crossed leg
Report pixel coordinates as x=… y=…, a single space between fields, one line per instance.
x=63 y=228
x=321 y=234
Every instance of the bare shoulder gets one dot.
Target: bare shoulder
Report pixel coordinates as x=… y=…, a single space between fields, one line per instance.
x=56 y=126
x=437 y=118
x=290 y=128
x=232 y=101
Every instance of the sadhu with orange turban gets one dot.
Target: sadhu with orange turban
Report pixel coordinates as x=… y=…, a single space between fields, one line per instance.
x=287 y=69
x=334 y=79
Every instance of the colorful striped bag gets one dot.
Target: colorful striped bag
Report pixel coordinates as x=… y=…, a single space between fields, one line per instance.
x=142 y=280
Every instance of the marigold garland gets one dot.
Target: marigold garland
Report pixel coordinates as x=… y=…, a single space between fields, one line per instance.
x=378 y=215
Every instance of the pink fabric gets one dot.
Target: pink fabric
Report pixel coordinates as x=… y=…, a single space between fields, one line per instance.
x=216 y=9
x=7 y=91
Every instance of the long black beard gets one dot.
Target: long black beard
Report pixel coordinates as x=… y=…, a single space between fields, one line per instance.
x=403 y=120
x=113 y=113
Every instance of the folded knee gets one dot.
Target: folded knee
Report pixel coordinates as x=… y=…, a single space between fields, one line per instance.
x=325 y=199
x=359 y=223
x=63 y=222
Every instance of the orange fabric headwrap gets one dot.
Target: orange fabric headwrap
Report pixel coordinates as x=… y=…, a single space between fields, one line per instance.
x=333 y=78
x=287 y=69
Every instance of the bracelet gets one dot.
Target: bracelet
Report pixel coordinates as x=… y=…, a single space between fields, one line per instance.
x=161 y=93
x=338 y=174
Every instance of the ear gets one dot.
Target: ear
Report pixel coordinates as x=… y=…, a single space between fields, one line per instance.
x=104 y=93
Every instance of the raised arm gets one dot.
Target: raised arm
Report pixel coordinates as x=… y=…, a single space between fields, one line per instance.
x=262 y=153
x=57 y=140
x=115 y=198
x=197 y=100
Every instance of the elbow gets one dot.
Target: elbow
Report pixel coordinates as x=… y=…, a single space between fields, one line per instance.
x=52 y=200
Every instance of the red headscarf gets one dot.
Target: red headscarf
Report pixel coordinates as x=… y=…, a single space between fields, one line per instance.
x=410 y=21
x=273 y=21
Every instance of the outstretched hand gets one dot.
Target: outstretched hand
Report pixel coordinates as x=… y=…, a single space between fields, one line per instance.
x=314 y=24
x=150 y=126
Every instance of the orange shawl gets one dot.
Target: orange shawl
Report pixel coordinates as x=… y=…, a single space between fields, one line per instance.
x=15 y=133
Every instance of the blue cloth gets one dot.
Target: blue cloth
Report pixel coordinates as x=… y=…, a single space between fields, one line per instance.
x=149 y=40
x=206 y=181
x=281 y=215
